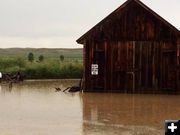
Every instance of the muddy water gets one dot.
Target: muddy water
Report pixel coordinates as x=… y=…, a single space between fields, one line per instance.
x=34 y=108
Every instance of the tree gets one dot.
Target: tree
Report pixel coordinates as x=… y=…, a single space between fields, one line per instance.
x=41 y=58
x=20 y=62
x=62 y=57
x=31 y=57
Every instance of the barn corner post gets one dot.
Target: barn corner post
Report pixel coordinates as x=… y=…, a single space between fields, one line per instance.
x=178 y=64
x=84 y=71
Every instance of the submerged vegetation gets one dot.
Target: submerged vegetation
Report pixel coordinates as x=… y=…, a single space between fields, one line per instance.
x=42 y=66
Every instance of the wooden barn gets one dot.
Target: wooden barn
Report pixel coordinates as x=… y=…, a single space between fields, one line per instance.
x=133 y=50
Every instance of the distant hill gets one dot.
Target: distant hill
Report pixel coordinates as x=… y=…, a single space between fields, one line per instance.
x=46 y=52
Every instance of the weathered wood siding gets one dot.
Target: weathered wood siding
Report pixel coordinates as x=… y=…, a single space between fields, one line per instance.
x=136 y=53
x=132 y=66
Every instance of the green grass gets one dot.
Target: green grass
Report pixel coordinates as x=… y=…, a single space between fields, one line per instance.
x=46 y=52
x=50 y=68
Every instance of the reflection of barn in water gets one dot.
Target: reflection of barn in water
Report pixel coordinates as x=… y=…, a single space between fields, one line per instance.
x=127 y=112
x=136 y=50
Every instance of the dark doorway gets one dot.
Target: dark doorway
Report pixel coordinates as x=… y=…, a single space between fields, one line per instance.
x=99 y=80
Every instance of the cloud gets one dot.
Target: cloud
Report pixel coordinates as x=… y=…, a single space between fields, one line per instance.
x=48 y=42
x=52 y=23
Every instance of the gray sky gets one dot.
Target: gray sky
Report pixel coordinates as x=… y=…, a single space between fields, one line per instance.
x=58 y=23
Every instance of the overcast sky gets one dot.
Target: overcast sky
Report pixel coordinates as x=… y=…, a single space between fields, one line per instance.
x=58 y=23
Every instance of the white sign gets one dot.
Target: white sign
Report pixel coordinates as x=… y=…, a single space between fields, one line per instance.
x=94 y=69
x=0 y=75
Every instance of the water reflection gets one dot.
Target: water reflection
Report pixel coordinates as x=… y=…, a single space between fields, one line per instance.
x=128 y=114
x=34 y=108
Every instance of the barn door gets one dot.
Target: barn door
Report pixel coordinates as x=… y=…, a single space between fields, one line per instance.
x=168 y=70
x=123 y=67
x=119 y=67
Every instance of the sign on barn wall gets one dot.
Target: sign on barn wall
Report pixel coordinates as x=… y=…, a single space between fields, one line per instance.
x=94 y=69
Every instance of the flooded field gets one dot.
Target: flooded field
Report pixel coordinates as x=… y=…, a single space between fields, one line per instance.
x=34 y=108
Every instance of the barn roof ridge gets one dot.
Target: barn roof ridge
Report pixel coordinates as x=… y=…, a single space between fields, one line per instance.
x=120 y=8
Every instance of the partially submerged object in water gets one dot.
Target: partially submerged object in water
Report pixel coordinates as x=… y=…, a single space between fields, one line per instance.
x=58 y=89
x=73 y=88
x=18 y=77
x=69 y=89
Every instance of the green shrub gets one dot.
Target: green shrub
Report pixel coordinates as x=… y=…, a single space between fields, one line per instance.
x=49 y=69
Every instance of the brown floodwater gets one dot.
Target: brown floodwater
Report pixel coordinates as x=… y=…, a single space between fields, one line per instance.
x=34 y=108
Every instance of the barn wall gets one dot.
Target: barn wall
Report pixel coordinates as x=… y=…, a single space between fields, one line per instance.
x=132 y=66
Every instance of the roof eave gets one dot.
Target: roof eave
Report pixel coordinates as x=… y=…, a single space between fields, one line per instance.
x=80 y=41
x=84 y=35
x=82 y=38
